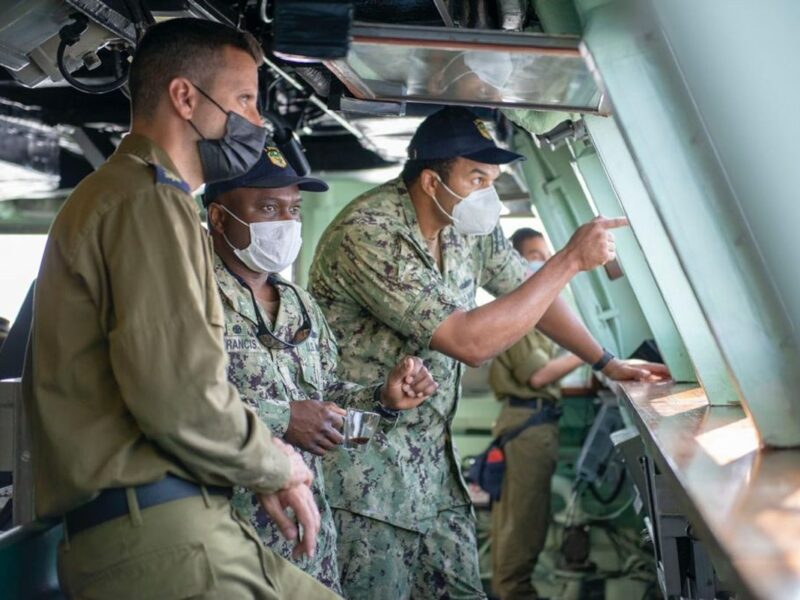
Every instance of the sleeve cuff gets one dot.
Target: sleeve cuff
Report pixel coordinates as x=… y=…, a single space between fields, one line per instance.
x=278 y=419
x=389 y=414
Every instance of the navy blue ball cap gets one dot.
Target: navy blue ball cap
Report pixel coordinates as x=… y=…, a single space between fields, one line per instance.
x=454 y=132
x=271 y=171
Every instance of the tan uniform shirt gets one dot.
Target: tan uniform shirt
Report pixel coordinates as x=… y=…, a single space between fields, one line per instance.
x=511 y=370
x=128 y=377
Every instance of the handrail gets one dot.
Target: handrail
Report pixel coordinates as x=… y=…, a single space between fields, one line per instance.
x=12 y=396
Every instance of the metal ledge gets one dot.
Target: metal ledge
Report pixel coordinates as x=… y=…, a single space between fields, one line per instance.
x=744 y=500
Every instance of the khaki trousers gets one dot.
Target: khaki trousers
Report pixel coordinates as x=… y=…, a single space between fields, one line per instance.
x=196 y=547
x=521 y=517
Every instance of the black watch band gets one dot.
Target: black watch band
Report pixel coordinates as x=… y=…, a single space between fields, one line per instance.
x=604 y=360
x=384 y=411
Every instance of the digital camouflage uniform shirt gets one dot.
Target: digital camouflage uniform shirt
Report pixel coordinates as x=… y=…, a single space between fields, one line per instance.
x=268 y=379
x=384 y=297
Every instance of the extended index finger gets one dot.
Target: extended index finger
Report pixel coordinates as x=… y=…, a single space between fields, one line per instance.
x=613 y=222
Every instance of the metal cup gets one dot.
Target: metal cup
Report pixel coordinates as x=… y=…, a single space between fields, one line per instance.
x=359 y=427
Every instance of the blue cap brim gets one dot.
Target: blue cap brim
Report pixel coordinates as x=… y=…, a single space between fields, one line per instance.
x=494 y=156
x=306 y=184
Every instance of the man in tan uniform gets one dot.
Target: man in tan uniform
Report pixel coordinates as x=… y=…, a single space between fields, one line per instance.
x=525 y=379
x=138 y=437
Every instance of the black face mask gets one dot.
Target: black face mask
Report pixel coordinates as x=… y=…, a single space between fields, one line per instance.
x=233 y=154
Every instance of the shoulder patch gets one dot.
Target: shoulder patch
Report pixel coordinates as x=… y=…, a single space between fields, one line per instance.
x=164 y=176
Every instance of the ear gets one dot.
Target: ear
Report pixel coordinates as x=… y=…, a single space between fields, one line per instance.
x=428 y=182
x=182 y=97
x=216 y=218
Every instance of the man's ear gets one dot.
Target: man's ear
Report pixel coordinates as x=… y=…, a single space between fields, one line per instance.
x=429 y=182
x=216 y=218
x=182 y=97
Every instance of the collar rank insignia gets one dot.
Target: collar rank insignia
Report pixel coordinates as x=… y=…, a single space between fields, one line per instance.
x=164 y=176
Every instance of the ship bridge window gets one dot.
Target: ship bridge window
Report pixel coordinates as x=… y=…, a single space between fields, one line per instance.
x=457 y=66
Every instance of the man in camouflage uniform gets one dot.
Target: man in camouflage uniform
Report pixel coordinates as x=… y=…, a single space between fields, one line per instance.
x=283 y=357
x=393 y=276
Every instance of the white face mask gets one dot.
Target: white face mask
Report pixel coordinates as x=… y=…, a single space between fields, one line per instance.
x=535 y=265
x=274 y=245
x=477 y=214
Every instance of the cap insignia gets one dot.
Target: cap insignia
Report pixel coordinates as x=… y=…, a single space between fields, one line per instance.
x=481 y=127
x=275 y=157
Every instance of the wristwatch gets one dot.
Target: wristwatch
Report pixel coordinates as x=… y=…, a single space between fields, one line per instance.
x=384 y=411
x=604 y=360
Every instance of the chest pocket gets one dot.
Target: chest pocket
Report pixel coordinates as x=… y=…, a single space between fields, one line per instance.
x=310 y=365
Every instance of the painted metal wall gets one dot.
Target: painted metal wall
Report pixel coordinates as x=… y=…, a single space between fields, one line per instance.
x=676 y=310
x=319 y=210
x=700 y=94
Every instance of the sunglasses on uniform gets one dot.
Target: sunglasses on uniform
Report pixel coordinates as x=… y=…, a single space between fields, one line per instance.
x=263 y=333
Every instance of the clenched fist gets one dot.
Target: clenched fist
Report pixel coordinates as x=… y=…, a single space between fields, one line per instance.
x=407 y=385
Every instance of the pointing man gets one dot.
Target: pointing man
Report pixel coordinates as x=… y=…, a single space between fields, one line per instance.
x=397 y=271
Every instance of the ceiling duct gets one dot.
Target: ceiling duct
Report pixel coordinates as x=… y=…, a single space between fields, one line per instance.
x=310 y=31
x=29 y=37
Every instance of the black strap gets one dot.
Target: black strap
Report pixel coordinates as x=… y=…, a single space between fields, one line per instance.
x=606 y=358
x=547 y=414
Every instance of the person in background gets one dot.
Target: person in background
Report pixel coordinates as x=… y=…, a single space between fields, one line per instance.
x=283 y=356
x=13 y=348
x=525 y=379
